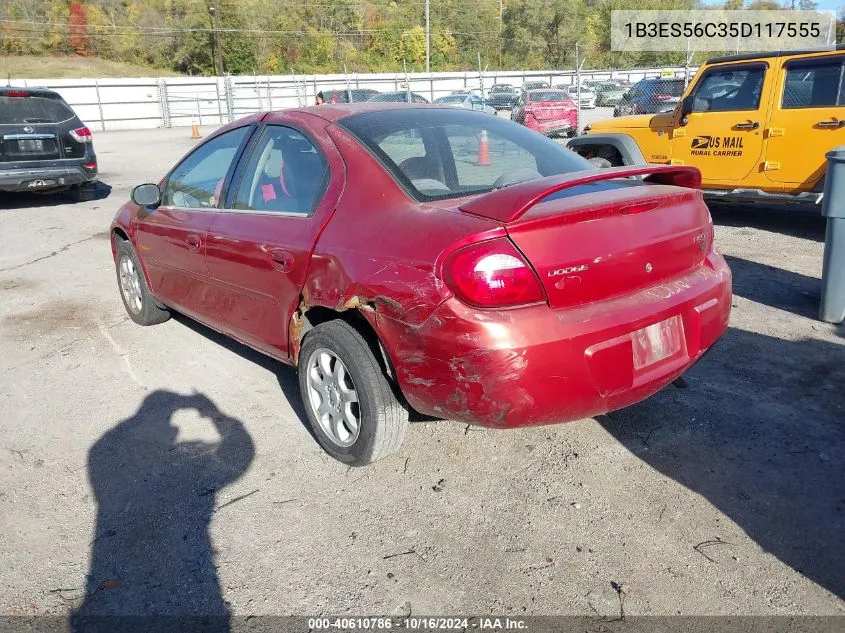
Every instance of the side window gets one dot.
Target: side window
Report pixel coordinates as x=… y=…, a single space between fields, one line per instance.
x=198 y=180
x=813 y=84
x=284 y=173
x=729 y=89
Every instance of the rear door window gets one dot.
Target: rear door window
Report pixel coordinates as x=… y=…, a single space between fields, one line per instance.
x=813 y=84
x=33 y=109
x=285 y=174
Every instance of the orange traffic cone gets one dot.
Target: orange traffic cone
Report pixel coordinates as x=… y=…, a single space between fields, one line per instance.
x=195 y=131
x=483 y=150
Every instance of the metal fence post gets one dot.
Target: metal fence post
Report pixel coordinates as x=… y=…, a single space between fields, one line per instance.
x=161 y=88
x=269 y=95
x=219 y=105
x=199 y=112
x=230 y=97
x=577 y=90
x=100 y=105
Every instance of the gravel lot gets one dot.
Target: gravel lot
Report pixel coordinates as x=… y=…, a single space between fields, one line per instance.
x=727 y=497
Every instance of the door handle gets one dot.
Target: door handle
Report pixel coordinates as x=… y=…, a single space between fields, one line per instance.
x=282 y=259
x=747 y=126
x=193 y=242
x=832 y=124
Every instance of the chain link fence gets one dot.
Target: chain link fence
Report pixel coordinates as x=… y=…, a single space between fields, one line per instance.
x=113 y=104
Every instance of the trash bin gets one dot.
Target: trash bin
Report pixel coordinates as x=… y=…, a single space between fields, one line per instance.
x=832 y=307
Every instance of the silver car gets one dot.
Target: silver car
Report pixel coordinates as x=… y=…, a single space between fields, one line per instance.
x=471 y=102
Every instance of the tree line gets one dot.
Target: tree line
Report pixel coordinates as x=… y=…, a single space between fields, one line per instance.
x=328 y=36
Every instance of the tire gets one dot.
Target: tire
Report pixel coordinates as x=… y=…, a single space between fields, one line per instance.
x=140 y=305
x=84 y=192
x=381 y=419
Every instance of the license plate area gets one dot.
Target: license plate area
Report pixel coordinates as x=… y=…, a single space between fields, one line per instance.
x=31 y=146
x=658 y=342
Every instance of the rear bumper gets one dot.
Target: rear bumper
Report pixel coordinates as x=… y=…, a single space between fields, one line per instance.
x=47 y=177
x=536 y=365
x=552 y=128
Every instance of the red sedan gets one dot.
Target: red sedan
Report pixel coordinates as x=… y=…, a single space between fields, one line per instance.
x=436 y=258
x=550 y=112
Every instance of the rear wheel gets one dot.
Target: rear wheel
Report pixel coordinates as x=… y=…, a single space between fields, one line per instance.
x=350 y=405
x=84 y=192
x=139 y=303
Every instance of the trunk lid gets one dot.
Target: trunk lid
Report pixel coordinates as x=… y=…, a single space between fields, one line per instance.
x=602 y=238
x=550 y=110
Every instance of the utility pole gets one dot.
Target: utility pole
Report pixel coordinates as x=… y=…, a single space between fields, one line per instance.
x=427 y=38
x=216 y=27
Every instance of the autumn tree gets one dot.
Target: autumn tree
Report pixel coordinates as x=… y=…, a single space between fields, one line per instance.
x=78 y=29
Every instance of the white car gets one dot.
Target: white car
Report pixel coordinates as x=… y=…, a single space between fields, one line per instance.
x=588 y=95
x=471 y=102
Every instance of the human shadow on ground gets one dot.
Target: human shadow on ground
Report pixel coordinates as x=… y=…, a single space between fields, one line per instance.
x=152 y=561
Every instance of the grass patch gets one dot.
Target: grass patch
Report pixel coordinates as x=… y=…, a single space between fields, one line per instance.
x=36 y=67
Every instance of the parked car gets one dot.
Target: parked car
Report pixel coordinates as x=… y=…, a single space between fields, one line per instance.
x=758 y=126
x=548 y=111
x=532 y=298
x=502 y=96
x=399 y=96
x=353 y=95
x=587 y=94
x=609 y=93
x=534 y=85
x=44 y=147
x=650 y=96
x=470 y=101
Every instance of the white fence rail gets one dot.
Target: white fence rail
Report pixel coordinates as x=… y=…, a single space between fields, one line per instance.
x=121 y=104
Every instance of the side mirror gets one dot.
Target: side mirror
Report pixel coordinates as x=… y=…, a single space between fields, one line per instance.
x=687 y=105
x=147 y=195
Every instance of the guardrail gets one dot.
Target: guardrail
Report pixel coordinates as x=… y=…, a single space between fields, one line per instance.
x=114 y=104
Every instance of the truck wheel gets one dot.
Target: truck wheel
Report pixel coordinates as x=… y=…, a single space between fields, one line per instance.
x=351 y=408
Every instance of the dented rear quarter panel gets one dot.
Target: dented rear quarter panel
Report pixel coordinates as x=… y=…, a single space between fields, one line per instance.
x=382 y=249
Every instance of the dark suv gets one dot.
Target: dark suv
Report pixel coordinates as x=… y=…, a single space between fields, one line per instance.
x=44 y=147
x=650 y=96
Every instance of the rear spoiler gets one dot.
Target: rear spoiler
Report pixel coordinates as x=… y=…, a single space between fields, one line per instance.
x=510 y=203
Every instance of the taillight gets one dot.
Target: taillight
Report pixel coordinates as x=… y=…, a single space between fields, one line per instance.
x=17 y=93
x=662 y=97
x=81 y=135
x=492 y=274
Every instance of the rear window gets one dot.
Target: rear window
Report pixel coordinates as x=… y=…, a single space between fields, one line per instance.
x=435 y=154
x=455 y=99
x=548 y=95
x=19 y=110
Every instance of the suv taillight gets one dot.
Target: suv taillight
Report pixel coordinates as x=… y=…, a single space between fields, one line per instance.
x=81 y=135
x=492 y=274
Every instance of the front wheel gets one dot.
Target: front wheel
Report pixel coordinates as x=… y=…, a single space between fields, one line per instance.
x=351 y=407
x=139 y=303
